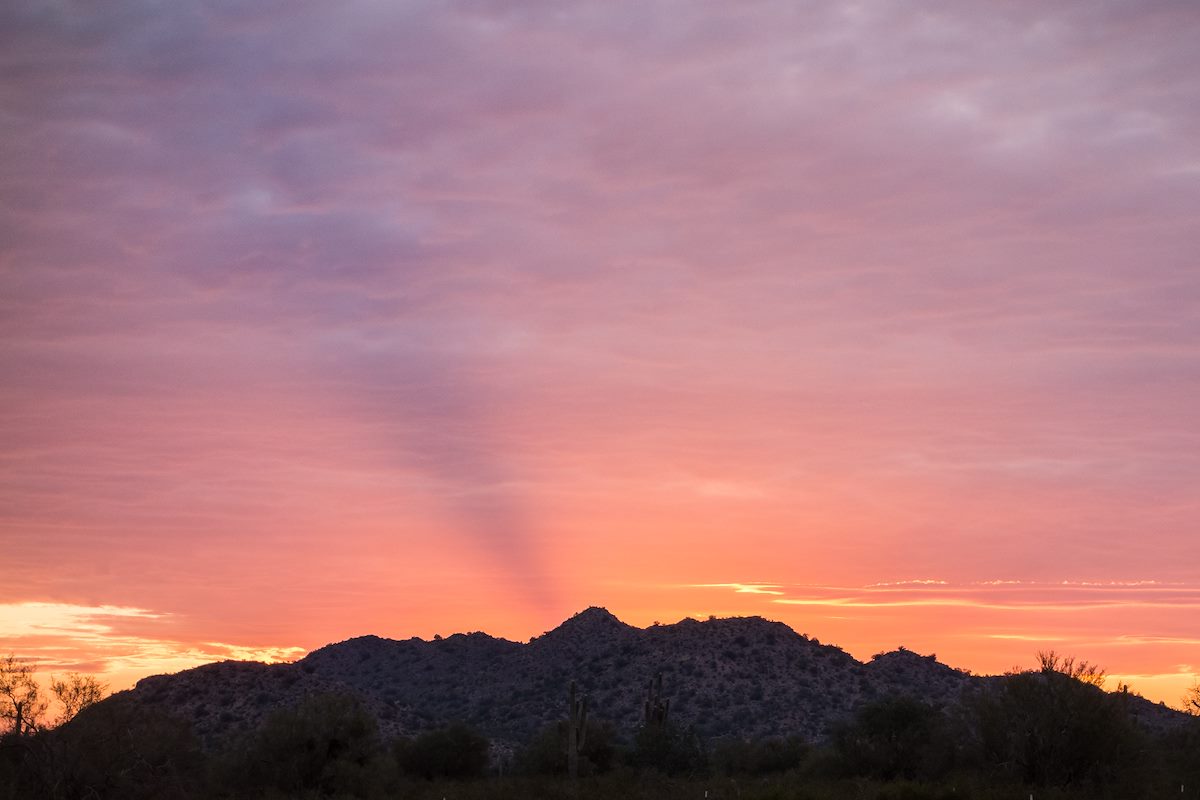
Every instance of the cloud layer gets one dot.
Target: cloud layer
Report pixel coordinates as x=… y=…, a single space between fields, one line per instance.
x=445 y=314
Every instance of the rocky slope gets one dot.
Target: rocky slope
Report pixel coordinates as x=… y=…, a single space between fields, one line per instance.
x=744 y=677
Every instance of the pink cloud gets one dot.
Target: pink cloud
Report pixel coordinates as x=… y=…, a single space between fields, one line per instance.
x=321 y=312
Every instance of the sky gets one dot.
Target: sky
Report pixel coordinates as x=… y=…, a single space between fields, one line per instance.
x=881 y=319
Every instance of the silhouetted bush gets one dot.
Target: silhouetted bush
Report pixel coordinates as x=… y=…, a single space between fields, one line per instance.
x=895 y=738
x=119 y=749
x=669 y=749
x=18 y=779
x=328 y=744
x=454 y=752
x=1180 y=754
x=546 y=753
x=739 y=757
x=1050 y=728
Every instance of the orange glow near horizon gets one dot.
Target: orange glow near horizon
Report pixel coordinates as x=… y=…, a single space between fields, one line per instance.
x=61 y=638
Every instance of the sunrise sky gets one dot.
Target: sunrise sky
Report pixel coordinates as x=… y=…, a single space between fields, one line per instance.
x=881 y=319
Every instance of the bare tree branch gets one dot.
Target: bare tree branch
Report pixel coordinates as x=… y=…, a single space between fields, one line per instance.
x=21 y=703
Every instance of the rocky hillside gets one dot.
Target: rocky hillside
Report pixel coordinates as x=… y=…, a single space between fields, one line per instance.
x=744 y=677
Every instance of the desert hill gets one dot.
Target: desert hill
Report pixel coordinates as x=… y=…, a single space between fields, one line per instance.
x=745 y=677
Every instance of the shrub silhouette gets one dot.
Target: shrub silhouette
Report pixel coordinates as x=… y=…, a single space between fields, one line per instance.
x=895 y=738
x=119 y=749
x=546 y=753
x=669 y=749
x=763 y=757
x=453 y=752
x=1058 y=728
x=329 y=743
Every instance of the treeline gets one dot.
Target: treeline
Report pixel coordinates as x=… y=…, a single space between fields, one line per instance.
x=1051 y=732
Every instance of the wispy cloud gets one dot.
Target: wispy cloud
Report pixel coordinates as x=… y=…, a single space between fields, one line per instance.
x=52 y=619
x=1010 y=618
x=112 y=640
x=744 y=588
x=1066 y=595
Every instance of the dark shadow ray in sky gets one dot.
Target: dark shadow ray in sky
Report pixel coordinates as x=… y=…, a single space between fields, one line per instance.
x=427 y=413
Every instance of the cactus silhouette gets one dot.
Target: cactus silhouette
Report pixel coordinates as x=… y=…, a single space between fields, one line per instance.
x=576 y=731
x=656 y=707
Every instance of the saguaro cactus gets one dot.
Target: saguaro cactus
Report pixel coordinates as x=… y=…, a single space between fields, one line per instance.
x=656 y=706
x=576 y=731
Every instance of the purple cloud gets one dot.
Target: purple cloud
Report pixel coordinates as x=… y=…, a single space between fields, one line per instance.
x=936 y=256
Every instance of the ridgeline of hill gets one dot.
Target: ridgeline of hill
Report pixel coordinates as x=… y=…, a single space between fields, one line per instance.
x=742 y=677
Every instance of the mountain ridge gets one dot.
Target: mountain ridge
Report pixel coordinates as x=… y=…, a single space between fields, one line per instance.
x=744 y=677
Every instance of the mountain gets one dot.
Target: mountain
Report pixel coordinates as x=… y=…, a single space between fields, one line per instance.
x=744 y=676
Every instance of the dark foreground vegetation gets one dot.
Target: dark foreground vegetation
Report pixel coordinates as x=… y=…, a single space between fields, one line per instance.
x=1046 y=733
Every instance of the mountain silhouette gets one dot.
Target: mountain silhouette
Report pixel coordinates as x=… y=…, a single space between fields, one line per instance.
x=743 y=677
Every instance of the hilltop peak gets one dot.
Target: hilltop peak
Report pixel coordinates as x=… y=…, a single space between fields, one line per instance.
x=593 y=614
x=593 y=617
x=591 y=623
x=902 y=653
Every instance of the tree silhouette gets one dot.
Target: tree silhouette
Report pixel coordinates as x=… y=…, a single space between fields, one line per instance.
x=75 y=693
x=1056 y=726
x=1191 y=700
x=22 y=705
x=1082 y=671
